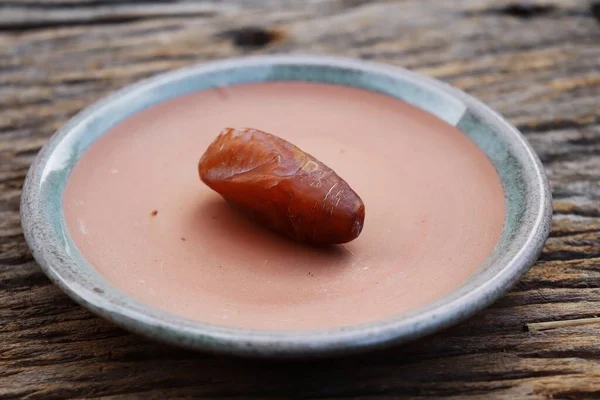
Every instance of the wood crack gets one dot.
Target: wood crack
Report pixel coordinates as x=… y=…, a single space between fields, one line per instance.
x=15 y=20
x=80 y=4
x=555 y=125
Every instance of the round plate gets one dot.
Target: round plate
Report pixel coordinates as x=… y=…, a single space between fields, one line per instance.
x=526 y=226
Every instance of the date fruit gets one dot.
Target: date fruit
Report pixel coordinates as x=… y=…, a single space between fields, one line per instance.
x=281 y=187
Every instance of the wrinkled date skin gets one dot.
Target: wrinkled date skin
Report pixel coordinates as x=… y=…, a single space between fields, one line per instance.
x=281 y=187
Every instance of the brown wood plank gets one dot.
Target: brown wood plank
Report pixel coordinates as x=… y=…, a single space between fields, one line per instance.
x=539 y=66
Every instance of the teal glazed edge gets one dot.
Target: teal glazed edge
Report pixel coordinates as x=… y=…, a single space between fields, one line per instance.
x=510 y=171
x=525 y=185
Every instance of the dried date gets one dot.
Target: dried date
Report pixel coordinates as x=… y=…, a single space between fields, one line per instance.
x=281 y=187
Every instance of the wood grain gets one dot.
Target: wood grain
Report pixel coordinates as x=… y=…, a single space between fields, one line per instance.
x=540 y=67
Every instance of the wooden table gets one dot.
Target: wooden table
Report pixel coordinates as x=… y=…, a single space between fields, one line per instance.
x=538 y=65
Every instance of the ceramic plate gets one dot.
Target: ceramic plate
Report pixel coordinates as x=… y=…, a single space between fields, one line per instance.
x=526 y=226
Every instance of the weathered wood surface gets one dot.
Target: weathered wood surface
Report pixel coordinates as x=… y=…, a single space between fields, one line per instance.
x=539 y=66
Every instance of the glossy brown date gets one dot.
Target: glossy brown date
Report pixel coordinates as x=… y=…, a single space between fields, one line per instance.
x=281 y=187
